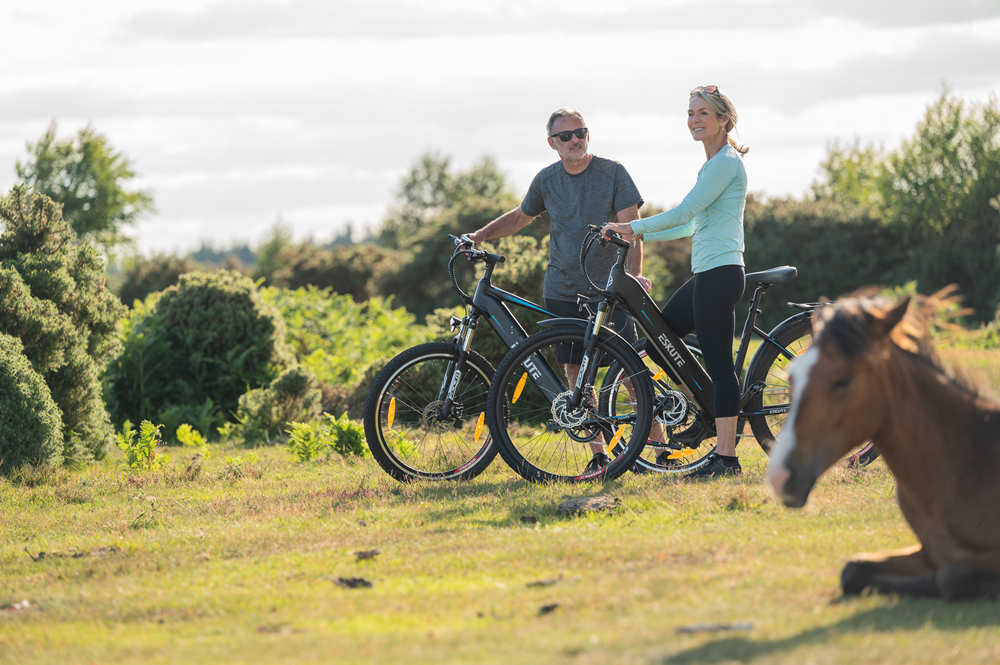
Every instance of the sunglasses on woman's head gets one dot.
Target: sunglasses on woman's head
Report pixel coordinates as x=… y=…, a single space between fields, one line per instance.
x=708 y=89
x=570 y=133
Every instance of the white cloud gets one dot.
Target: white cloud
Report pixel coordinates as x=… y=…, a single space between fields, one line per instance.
x=235 y=114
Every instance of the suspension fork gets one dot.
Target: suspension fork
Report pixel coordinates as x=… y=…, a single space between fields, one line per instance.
x=453 y=372
x=587 y=373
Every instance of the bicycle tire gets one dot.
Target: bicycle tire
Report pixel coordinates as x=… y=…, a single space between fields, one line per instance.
x=662 y=456
x=403 y=430
x=524 y=422
x=769 y=365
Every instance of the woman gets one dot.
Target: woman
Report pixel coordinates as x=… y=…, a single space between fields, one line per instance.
x=712 y=213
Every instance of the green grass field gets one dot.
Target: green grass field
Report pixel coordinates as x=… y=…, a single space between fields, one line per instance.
x=241 y=564
x=244 y=561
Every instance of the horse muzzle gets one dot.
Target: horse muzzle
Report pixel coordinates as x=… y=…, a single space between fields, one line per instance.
x=791 y=484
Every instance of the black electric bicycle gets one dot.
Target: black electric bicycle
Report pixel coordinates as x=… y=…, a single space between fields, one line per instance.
x=540 y=431
x=425 y=411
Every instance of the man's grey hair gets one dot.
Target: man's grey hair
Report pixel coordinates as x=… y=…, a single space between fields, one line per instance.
x=561 y=113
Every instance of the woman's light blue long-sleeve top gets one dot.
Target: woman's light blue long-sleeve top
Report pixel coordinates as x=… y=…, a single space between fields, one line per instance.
x=712 y=213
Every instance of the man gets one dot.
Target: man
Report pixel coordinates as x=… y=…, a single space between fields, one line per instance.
x=578 y=190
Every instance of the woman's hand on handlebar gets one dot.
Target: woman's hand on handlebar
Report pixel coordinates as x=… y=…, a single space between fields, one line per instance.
x=624 y=229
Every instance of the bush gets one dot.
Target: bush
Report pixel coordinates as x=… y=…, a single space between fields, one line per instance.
x=348 y=436
x=264 y=413
x=54 y=298
x=311 y=440
x=30 y=422
x=339 y=339
x=194 y=350
x=140 y=447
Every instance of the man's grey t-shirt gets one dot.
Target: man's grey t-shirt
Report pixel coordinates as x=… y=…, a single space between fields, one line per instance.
x=594 y=196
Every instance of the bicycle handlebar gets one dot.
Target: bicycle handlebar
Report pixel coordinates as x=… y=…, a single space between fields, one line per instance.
x=464 y=246
x=594 y=235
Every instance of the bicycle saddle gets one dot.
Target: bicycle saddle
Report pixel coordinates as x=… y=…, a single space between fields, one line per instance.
x=771 y=276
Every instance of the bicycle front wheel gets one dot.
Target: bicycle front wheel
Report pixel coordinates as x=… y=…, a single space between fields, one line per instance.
x=544 y=436
x=410 y=432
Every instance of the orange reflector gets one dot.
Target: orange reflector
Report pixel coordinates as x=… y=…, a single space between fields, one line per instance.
x=479 y=427
x=681 y=454
x=659 y=375
x=519 y=388
x=392 y=411
x=614 y=439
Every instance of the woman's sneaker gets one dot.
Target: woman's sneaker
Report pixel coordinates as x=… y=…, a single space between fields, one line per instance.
x=693 y=435
x=717 y=466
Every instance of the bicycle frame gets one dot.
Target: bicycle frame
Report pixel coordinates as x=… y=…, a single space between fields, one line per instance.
x=491 y=302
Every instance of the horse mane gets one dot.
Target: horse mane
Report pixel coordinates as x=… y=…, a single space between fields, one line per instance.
x=848 y=324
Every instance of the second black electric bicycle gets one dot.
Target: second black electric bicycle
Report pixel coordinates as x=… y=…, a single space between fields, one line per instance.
x=540 y=431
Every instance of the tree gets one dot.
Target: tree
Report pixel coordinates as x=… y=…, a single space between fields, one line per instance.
x=91 y=181
x=359 y=270
x=432 y=202
x=431 y=188
x=143 y=276
x=54 y=299
x=934 y=194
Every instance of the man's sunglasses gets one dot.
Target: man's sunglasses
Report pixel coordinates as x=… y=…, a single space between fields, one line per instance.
x=570 y=133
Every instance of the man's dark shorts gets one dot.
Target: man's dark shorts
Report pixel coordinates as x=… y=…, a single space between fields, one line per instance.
x=620 y=322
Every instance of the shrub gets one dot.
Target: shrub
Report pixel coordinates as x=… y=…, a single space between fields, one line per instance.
x=140 y=447
x=348 y=437
x=30 y=422
x=263 y=413
x=311 y=440
x=189 y=437
x=339 y=339
x=195 y=349
x=307 y=442
x=54 y=298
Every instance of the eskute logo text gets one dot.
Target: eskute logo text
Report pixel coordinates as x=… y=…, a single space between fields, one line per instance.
x=672 y=351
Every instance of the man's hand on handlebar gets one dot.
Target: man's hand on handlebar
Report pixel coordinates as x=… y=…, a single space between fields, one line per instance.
x=473 y=238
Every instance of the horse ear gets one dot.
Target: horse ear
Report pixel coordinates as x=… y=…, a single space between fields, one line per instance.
x=883 y=325
x=821 y=315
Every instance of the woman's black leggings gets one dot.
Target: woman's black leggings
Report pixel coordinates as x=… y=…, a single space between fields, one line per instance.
x=706 y=304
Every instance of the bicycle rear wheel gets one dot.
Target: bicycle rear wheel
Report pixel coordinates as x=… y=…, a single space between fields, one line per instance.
x=407 y=432
x=684 y=441
x=770 y=369
x=542 y=436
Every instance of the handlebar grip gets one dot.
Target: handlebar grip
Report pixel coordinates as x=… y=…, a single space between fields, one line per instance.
x=611 y=237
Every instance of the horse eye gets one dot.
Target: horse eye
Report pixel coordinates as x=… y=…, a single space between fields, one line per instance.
x=841 y=384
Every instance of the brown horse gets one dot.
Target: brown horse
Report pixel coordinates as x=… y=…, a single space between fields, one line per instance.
x=871 y=373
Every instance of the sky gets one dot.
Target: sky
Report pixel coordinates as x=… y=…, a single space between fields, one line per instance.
x=238 y=114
